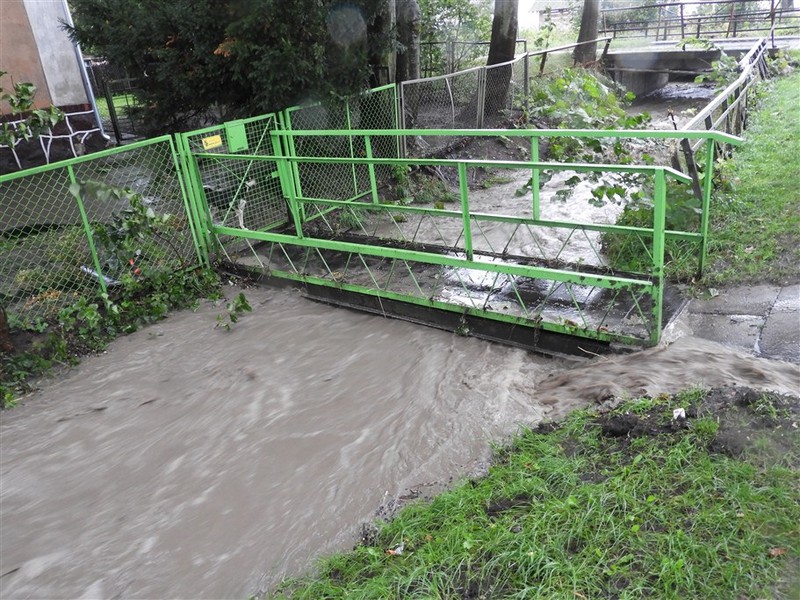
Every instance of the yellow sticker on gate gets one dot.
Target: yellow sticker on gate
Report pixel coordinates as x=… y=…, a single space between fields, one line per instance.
x=215 y=141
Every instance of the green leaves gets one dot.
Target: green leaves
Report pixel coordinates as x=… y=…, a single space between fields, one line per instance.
x=20 y=100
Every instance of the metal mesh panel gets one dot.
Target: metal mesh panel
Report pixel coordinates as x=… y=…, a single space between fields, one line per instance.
x=337 y=181
x=45 y=257
x=375 y=109
x=242 y=193
x=482 y=97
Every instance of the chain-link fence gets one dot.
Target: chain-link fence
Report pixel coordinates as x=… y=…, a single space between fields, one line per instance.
x=441 y=58
x=55 y=222
x=374 y=109
x=486 y=97
x=472 y=99
x=245 y=194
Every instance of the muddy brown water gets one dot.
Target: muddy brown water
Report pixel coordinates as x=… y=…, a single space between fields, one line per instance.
x=191 y=462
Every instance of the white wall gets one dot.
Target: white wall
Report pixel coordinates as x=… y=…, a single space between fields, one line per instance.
x=59 y=60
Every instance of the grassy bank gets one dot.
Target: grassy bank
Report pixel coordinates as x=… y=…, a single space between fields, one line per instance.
x=755 y=221
x=627 y=504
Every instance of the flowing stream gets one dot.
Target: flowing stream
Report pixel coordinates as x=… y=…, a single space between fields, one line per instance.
x=193 y=462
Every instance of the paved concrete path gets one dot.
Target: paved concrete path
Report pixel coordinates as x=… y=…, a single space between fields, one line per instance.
x=763 y=320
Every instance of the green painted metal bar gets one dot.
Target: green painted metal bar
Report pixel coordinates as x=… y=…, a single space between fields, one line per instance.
x=373 y=182
x=82 y=159
x=464 y=189
x=200 y=201
x=597 y=334
x=442 y=162
x=535 y=177
x=87 y=228
x=290 y=147
x=717 y=136
x=180 y=156
x=605 y=281
x=659 y=219
x=706 y=209
x=350 y=142
x=284 y=170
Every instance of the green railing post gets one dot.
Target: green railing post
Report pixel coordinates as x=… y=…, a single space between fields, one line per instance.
x=285 y=174
x=706 y=207
x=88 y=230
x=373 y=182
x=464 y=188
x=201 y=211
x=535 y=176
x=352 y=150
x=659 y=222
x=182 y=157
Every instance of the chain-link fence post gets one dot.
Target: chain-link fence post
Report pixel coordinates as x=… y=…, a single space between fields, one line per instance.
x=481 y=98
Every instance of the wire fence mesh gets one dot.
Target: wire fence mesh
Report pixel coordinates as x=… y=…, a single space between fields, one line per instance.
x=374 y=109
x=441 y=58
x=482 y=97
x=47 y=234
x=238 y=193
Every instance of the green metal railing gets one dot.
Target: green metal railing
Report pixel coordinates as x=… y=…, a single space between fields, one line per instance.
x=490 y=264
x=321 y=207
x=49 y=255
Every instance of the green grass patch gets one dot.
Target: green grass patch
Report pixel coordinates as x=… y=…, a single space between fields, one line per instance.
x=628 y=504
x=122 y=103
x=755 y=219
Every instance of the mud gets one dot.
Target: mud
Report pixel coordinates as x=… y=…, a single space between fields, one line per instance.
x=190 y=462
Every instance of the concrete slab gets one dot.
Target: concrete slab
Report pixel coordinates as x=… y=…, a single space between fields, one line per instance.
x=780 y=337
x=753 y=300
x=788 y=300
x=735 y=331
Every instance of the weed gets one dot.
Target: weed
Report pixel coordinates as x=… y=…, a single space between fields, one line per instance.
x=233 y=310
x=724 y=71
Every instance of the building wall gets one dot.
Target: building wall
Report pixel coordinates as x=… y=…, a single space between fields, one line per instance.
x=34 y=47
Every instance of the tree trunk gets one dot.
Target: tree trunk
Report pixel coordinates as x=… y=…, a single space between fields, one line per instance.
x=501 y=50
x=383 y=62
x=587 y=53
x=5 y=334
x=409 y=20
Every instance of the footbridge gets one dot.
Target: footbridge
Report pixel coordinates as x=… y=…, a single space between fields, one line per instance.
x=320 y=208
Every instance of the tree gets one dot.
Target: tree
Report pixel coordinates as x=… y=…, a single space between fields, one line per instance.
x=453 y=21
x=221 y=59
x=383 y=59
x=587 y=53
x=408 y=36
x=501 y=49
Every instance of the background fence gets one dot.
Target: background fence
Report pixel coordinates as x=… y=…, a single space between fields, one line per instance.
x=719 y=18
x=477 y=98
x=441 y=58
x=50 y=251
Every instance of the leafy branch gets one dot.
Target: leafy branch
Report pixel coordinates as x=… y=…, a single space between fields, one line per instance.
x=38 y=121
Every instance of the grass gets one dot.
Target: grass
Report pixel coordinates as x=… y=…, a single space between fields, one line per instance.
x=581 y=512
x=755 y=223
x=121 y=104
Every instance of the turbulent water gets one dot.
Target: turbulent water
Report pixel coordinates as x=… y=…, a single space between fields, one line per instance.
x=191 y=462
